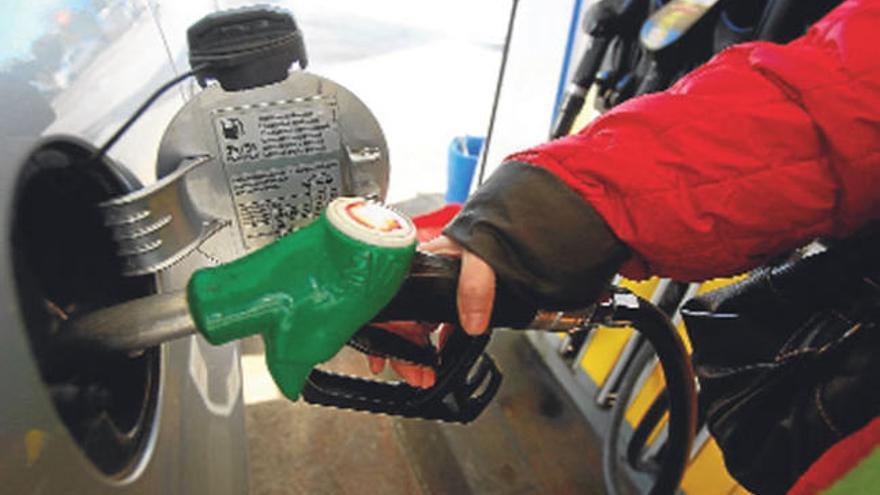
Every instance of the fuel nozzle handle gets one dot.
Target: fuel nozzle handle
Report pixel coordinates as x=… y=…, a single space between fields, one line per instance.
x=429 y=294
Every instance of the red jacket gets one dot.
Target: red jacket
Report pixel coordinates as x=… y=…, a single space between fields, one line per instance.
x=754 y=153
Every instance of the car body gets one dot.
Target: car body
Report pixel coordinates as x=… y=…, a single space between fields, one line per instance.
x=71 y=71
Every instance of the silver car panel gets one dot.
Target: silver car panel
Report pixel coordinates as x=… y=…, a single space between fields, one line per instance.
x=80 y=68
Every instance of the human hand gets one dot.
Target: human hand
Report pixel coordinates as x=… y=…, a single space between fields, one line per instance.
x=474 y=298
x=476 y=285
x=418 y=333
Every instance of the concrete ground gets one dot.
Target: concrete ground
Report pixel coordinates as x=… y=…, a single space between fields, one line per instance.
x=530 y=440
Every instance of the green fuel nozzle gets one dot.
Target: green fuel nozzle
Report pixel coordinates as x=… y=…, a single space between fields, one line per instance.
x=310 y=291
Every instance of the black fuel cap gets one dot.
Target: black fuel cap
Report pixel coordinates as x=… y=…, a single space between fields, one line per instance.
x=247 y=47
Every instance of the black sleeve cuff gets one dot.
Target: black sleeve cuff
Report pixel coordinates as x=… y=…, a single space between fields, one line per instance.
x=541 y=238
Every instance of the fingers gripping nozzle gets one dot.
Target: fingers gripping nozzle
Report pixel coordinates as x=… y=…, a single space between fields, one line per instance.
x=309 y=292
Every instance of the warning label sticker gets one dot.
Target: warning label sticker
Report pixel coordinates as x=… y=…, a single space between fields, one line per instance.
x=282 y=162
x=278 y=130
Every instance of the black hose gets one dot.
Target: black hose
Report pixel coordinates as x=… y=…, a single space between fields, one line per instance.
x=611 y=457
x=583 y=78
x=100 y=152
x=655 y=326
x=484 y=155
x=643 y=431
x=656 y=77
x=776 y=22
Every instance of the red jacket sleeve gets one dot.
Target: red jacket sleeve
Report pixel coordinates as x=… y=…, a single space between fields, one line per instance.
x=758 y=151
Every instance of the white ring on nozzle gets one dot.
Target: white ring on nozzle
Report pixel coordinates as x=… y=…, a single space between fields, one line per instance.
x=371 y=223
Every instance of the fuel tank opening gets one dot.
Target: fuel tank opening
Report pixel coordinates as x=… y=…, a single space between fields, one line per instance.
x=66 y=264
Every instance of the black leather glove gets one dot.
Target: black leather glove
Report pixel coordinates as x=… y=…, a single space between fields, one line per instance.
x=540 y=237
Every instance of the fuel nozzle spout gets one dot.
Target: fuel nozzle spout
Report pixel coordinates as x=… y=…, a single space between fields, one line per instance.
x=133 y=325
